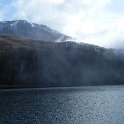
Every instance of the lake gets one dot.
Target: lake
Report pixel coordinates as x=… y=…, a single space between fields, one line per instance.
x=76 y=105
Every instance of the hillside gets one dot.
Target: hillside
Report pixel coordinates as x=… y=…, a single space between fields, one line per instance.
x=56 y=64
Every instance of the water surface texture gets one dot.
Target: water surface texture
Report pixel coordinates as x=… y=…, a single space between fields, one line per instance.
x=84 y=105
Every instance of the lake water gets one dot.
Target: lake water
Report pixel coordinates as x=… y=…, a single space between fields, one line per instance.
x=81 y=105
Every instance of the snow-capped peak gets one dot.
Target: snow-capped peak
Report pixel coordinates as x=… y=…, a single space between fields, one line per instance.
x=30 y=30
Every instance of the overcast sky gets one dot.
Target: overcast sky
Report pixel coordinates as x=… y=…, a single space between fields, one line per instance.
x=99 y=22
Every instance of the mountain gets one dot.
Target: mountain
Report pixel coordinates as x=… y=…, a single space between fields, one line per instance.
x=26 y=62
x=29 y=30
x=29 y=58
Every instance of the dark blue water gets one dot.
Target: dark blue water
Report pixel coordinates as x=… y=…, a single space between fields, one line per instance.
x=85 y=105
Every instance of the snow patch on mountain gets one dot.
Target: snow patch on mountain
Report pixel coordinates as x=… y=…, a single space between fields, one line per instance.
x=31 y=30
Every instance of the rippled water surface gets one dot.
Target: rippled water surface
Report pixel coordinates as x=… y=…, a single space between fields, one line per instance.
x=84 y=105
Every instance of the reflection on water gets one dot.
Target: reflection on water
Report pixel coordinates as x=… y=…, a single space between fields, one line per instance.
x=87 y=105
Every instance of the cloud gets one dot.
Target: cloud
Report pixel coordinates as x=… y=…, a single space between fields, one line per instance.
x=87 y=20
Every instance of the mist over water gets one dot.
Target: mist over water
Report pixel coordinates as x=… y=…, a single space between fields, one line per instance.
x=56 y=64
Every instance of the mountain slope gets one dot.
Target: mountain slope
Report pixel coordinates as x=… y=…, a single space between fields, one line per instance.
x=29 y=30
x=56 y=64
